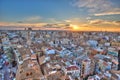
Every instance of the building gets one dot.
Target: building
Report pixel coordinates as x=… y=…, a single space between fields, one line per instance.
x=29 y=69
x=85 y=68
x=118 y=59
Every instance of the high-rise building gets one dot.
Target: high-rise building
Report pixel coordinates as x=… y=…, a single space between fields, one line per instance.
x=118 y=59
x=85 y=68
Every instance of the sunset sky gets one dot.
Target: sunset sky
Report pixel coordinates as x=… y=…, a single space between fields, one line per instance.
x=77 y=15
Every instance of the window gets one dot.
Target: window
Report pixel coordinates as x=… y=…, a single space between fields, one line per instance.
x=29 y=74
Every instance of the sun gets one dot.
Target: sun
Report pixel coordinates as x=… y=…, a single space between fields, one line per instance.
x=75 y=27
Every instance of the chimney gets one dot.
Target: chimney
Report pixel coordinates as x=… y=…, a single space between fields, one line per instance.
x=119 y=59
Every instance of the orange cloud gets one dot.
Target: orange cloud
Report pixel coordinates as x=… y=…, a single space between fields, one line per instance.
x=104 y=22
x=21 y=24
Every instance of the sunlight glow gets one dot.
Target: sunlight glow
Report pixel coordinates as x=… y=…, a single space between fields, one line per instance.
x=75 y=27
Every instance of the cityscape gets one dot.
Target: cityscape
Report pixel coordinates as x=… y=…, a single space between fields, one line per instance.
x=59 y=55
x=60 y=40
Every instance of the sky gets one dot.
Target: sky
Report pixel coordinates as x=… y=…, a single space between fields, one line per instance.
x=85 y=15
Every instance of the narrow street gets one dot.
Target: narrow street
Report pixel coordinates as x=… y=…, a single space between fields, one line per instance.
x=6 y=73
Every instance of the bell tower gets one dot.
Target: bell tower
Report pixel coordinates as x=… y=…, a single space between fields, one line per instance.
x=29 y=36
x=119 y=59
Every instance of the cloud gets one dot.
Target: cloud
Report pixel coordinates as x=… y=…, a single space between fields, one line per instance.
x=20 y=22
x=107 y=13
x=92 y=26
x=68 y=21
x=94 y=5
x=105 y=22
x=73 y=21
x=33 y=18
x=46 y=26
x=97 y=21
x=51 y=26
x=58 y=26
x=7 y=24
x=117 y=23
x=98 y=7
x=88 y=18
x=111 y=12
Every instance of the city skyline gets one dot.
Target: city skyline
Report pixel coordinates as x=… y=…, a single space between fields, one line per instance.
x=78 y=15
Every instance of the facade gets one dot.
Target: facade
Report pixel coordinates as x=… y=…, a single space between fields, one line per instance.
x=118 y=59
